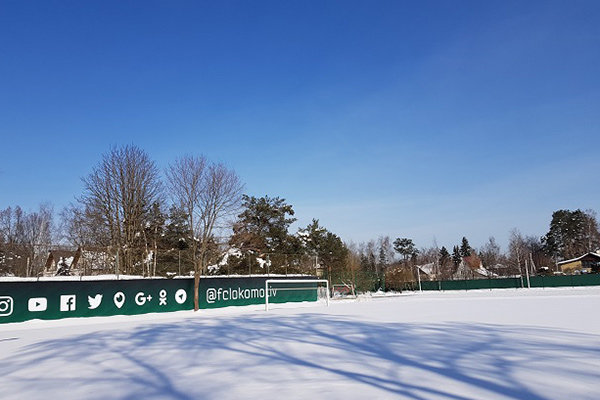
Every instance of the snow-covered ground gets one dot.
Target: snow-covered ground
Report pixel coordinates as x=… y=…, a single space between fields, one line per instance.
x=502 y=344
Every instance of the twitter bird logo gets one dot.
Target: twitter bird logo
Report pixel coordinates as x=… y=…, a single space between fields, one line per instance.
x=94 y=301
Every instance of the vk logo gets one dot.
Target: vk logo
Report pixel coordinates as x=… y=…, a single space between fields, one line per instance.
x=67 y=302
x=94 y=302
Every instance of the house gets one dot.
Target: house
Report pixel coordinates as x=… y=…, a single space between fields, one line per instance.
x=88 y=261
x=471 y=267
x=96 y=261
x=587 y=263
x=62 y=262
x=428 y=271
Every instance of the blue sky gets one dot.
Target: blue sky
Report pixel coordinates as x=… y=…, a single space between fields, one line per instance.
x=410 y=119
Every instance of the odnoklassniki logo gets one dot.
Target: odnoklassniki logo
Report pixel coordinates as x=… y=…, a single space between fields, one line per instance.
x=220 y=294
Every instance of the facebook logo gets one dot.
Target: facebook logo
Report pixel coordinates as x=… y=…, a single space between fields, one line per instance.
x=67 y=302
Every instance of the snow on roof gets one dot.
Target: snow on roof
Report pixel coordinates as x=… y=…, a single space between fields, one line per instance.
x=579 y=258
x=485 y=272
x=262 y=262
x=428 y=269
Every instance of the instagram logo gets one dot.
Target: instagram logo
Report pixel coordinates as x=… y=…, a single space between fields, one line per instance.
x=6 y=306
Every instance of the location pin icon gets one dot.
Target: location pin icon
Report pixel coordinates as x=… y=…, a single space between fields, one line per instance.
x=119 y=299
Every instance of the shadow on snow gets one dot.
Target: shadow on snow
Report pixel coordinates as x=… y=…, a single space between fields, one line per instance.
x=194 y=357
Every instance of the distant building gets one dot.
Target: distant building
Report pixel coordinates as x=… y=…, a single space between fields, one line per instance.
x=428 y=271
x=471 y=267
x=62 y=262
x=94 y=261
x=586 y=264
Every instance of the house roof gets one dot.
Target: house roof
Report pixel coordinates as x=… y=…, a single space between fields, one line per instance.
x=594 y=255
x=428 y=269
x=58 y=254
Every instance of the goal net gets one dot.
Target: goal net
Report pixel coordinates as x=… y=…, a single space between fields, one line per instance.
x=295 y=290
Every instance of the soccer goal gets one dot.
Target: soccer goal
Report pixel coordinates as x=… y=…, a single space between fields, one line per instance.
x=287 y=285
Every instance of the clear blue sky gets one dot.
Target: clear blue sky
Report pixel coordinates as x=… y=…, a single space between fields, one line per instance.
x=415 y=119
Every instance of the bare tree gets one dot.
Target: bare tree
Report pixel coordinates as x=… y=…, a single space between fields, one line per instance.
x=517 y=251
x=26 y=236
x=83 y=227
x=119 y=192
x=38 y=233
x=209 y=194
x=185 y=183
x=490 y=252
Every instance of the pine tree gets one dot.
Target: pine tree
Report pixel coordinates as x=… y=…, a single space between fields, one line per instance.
x=571 y=234
x=456 y=256
x=405 y=247
x=444 y=257
x=263 y=225
x=465 y=248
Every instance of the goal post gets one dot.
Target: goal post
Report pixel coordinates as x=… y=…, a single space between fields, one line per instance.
x=295 y=281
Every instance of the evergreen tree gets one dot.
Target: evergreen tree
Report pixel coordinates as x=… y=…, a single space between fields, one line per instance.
x=263 y=225
x=405 y=247
x=465 y=248
x=177 y=233
x=571 y=234
x=456 y=256
x=175 y=243
x=444 y=257
x=328 y=247
x=383 y=261
x=443 y=262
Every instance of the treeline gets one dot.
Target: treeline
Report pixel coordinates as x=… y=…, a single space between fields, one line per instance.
x=395 y=264
x=190 y=218
x=193 y=218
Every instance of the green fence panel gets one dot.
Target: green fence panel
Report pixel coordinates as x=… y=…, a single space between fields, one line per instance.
x=26 y=300
x=69 y=299
x=514 y=283
x=558 y=281
x=430 y=285
x=215 y=292
x=477 y=284
x=591 y=279
x=537 y=281
x=505 y=283
x=453 y=285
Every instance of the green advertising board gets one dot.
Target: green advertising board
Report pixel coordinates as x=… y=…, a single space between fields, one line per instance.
x=514 y=283
x=219 y=292
x=26 y=300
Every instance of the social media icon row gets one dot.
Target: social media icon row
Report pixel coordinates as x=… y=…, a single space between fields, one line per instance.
x=68 y=302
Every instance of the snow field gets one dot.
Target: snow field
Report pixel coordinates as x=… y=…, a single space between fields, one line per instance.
x=501 y=344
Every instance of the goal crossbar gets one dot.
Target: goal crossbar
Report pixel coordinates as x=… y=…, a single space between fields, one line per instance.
x=293 y=281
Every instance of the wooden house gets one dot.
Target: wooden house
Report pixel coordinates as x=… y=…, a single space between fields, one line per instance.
x=585 y=264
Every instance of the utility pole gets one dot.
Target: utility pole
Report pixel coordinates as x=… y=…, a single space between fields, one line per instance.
x=527 y=274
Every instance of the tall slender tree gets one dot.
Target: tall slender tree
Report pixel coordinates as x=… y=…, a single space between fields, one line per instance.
x=465 y=248
x=210 y=194
x=456 y=256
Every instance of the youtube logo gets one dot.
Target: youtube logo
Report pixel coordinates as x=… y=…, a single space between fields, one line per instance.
x=36 y=304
